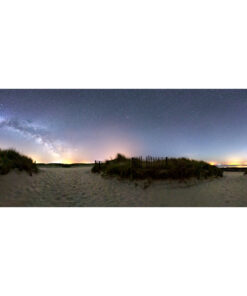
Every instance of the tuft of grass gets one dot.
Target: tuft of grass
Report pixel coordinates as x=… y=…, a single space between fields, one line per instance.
x=156 y=168
x=10 y=159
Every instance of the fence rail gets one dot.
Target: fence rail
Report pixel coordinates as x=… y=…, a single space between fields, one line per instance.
x=140 y=162
x=149 y=162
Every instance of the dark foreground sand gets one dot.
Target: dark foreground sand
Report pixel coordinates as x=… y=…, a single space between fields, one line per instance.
x=79 y=187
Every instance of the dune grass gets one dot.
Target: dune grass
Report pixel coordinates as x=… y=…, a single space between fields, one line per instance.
x=11 y=159
x=156 y=168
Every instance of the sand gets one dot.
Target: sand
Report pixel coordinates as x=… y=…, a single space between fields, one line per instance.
x=79 y=187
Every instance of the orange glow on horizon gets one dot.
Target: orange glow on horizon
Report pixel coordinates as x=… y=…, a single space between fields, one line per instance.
x=70 y=161
x=235 y=161
x=237 y=164
x=111 y=154
x=66 y=161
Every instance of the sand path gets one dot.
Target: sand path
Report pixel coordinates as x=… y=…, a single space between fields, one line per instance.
x=79 y=187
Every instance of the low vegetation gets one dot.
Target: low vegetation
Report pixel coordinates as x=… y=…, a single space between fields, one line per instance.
x=11 y=159
x=156 y=168
x=63 y=165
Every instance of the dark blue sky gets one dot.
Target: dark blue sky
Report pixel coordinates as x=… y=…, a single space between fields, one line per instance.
x=84 y=125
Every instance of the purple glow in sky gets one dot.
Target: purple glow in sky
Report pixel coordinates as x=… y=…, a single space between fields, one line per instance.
x=84 y=125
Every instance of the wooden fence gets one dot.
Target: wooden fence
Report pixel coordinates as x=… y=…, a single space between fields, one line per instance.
x=140 y=162
x=149 y=162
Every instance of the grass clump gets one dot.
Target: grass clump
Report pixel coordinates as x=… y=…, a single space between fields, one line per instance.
x=156 y=168
x=11 y=159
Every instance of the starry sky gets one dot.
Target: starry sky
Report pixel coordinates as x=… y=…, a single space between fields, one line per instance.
x=86 y=125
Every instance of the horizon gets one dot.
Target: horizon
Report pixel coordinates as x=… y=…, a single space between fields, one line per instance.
x=243 y=164
x=81 y=126
x=240 y=164
x=215 y=164
x=212 y=163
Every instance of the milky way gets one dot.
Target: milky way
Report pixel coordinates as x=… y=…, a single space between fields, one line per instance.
x=84 y=125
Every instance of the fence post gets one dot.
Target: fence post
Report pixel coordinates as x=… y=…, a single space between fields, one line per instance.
x=131 y=164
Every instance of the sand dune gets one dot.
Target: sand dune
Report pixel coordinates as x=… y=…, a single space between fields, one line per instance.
x=79 y=187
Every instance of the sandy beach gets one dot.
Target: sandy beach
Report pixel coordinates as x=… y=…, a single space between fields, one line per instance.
x=79 y=187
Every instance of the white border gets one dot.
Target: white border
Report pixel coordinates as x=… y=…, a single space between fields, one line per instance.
x=123 y=252
x=123 y=44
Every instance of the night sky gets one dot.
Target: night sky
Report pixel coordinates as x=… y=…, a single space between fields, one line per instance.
x=86 y=125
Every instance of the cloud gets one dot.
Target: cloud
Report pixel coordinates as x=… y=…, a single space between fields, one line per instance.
x=29 y=129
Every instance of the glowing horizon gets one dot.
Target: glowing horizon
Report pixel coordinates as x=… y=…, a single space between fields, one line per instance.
x=111 y=155
x=69 y=161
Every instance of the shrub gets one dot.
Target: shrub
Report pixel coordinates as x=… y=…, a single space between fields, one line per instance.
x=64 y=165
x=156 y=168
x=11 y=159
